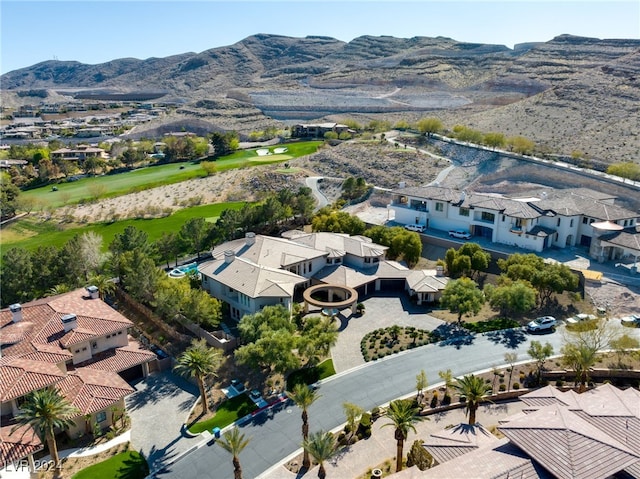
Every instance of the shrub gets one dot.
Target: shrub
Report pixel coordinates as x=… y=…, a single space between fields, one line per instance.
x=375 y=413
x=446 y=400
x=516 y=385
x=434 y=399
x=559 y=383
x=502 y=388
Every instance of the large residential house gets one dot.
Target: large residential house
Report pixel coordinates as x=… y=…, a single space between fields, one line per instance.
x=317 y=130
x=258 y=271
x=73 y=342
x=79 y=154
x=559 y=435
x=534 y=221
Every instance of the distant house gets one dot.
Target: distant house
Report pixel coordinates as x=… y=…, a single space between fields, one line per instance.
x=258 y=270
x=533 y=221
x=317 y=130
x=72 y=342
x=79 y=154
x=559 y=435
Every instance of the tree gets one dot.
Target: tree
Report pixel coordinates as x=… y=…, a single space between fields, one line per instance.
x=47 y=410
x=331 y=135
x=511 y=297
x=139 y=275
x=253 y=326
x=352 y=413
x=447 y=378
x=209 y=167
x=321 y=446
x=510 y=359
x=401 y=243
x=129 y=240
x=429 y=126
x=224 y=143
x=540 y=354
x=49 y=268
x=581 y=358
x=317 y=337
x=104 y=284
x=418 y=456
x=234 y=442
x=421 y=383
x=462 y=296
x=494 y=140
x=474 y=389
x=303 y=397
x=168 y=247
x=199 y=361
x=193 y=234
x=201 y=308
x=554 y=278
x=327 y=219
x=623 y=345
x=274 y=351
x=403 y=415
x=16 y=276
x=628 y=170
x=9 y=196
x=470 y=259
x=520 y=145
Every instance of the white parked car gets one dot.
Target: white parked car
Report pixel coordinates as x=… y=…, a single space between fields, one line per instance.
x=462 y=234
x=632 y=318
x=418 y=228
x=543 y=323
x=578 y=318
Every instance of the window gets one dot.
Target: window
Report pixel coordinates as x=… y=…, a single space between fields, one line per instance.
x=94 y=344
x=585 y=220
x=591 y=220
x=439 y=207
x=488 y=216
x=108 y=336
x=464 y=211
x=119 y=332
x=503 y=218
x=84 y=349
x=101 y=416
x=558 y=222
x=77 y=350
x=205 y=278
x=367 y=260
x=571 y=223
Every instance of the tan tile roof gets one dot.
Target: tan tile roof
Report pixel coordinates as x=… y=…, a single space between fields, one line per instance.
x=336 y=243
x=628 y=238
x=344 y=276
x=19 y=444
x=251 y=279
x=119 y=359
x=426 y=281
x=450 y=443
x=568 y=446
x=91 y=390
x=19 y=376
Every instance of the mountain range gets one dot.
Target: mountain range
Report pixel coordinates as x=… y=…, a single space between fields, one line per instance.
x=570 y=94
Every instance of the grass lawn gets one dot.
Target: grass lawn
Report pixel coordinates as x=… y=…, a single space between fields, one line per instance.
x=129 y=464
x=227 y=413
x=30 y=234
x=157 y=175
x=311 y=375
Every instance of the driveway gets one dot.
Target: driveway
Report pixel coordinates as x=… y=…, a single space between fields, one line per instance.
x=158 y=410
x=381 y=312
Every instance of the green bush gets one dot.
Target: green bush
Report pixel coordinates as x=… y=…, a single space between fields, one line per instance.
x=502 y=388
x=434 y=399
x=516 y=385
x=559 y=383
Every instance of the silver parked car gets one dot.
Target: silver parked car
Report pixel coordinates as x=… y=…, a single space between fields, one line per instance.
x=543 y=323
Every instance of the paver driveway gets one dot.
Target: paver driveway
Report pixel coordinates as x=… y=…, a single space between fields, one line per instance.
x=380 y=312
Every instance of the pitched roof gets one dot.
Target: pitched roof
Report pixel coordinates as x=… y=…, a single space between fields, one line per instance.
x=91 y=391
x=23 y=442
x=426 y=281
x=628 y=238
x=119 y=359
x=344 y=276
x=567 y=445
x=252 y=279
x=339 y=243
x=19 y=376
x=448 y=444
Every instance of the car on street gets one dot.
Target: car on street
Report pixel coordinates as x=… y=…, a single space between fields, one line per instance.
x=417 y=228
x=581 y=317
x=461 y=234
x=541 y=324
x=255 y=394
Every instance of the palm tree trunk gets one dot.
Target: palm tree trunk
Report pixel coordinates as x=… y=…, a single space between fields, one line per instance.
x=306 y=461
x=53 y=447
x=203 y=395
x=399 y=449
x=237 y=470
x=472 y=414
x=321 y=472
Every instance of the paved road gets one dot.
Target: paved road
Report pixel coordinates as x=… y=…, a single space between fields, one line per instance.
x=312 y=182
x=276 y=436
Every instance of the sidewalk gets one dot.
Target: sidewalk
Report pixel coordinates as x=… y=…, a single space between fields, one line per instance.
x=357 y=459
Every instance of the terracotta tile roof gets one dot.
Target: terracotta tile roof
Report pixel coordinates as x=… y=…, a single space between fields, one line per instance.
x=17 y=445
x=568 y=446
x=91 y=390
x=119 y=359
x=19 y=376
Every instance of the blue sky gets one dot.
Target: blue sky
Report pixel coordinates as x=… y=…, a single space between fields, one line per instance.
x=98 y=31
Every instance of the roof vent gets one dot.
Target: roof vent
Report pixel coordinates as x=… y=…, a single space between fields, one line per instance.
x=16 y=312
x=69 y=321
x=229 y=256
x=93 y=291
x=402 y=184
x=250 y=238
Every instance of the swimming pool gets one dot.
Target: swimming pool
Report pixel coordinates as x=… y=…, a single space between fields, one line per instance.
x=184 y=270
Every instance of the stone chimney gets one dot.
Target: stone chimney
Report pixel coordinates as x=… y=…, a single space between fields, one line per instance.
x=16 y=312
x=250 y=238
x=93 y=292
x=439 y=271
x=229 y=256
x=69 y=321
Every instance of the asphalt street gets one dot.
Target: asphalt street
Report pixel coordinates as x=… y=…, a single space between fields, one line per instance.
x=276 y=435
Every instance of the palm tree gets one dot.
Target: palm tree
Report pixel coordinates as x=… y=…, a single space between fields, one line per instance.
x=510 y=358
x=103 y=283
x=46 y=410
x=322 y=447
x=199 y=361
x=303 y=396
x=581 y=358
x=474 y=389
x=447 y=377
x=234 y=442
x=403 y=415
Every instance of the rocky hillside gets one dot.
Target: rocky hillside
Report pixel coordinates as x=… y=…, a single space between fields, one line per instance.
x=571 y=93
